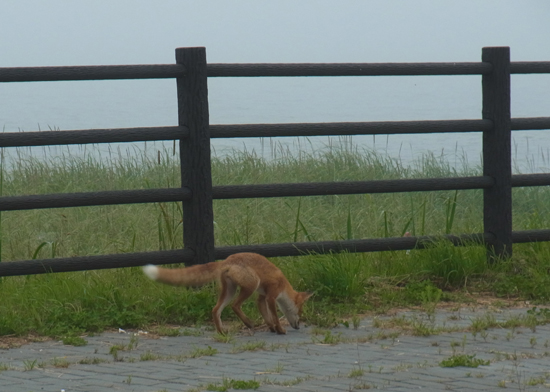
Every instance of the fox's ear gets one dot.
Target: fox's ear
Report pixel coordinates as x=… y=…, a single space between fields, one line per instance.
x=307 y=295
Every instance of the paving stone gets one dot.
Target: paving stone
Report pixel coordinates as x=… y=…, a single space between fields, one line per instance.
x=297 y=361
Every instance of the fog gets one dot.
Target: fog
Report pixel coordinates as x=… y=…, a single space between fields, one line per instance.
x=63 y=32
x=57 y=32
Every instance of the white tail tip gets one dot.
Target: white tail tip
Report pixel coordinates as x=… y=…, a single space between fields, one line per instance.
x=152 y=271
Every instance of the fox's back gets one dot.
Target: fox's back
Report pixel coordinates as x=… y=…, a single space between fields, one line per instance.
x=253 y=261
x=244 y=264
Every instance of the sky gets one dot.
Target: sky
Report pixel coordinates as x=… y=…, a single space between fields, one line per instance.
x=90 y=32
x=105 y=32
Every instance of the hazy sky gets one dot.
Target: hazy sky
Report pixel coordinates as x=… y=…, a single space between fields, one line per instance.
x=92 y=32
x=71 y=32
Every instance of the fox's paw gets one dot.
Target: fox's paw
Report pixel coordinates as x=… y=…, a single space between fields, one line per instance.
x=223 y=332
x=281 y=331
x=152 y=271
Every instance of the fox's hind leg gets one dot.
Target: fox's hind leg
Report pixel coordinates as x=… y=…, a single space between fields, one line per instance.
x=227 y=292
x=244 y=294
x=247 y=282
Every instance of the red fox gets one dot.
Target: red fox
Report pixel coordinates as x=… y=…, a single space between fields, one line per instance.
x=249 y=271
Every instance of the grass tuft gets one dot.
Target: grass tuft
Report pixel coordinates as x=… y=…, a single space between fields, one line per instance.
x=463 y=360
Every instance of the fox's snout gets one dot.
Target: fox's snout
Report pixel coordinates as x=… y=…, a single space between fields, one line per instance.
x=295 y=323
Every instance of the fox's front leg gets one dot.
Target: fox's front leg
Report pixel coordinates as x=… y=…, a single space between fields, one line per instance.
x=272 y=308
x=264 y=311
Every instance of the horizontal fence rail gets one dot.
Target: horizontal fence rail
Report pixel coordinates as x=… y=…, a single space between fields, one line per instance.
x=519 y=180
x=72 y=264
x=347 y=69
x=91 y=72
x=194 y=133
x=351 y=187
x=370 y=69
x=86 y=199
x=529 y=123
x=167 y=71
x=348 y=128
x=91 y=136
x=83 y=199
x=529 y=67
x=369 y=128
x=84 y=263
x=145 y=134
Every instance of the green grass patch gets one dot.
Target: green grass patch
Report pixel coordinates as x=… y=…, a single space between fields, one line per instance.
x=345 y=284
x=463 y=360
x=229 y=383
x=74 y=341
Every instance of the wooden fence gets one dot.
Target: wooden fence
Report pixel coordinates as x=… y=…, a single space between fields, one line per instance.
x=194 y=132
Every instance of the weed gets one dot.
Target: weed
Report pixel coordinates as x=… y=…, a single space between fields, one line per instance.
x=356 y=373
x=114 y=351
x=60 y=363
x=290 y=382
x=29 y=364
x=422 y=328
x=276 y=370
x=536 y=381
x=340 y=276
x=133 y=343
x=484 y=335
x=201 y=352
x=227 y=384
x=463 y=360
x=241 y=384
x=542 y=313
x=319 y=331
x=4 y=367
x=329 y=338
x=356 y=320
x=74 y=341
x=483 y=323
x=250 y=346
x=323 y=319
x=224 y=337
x=149 y=356
x=167 y=331
x=92 y=361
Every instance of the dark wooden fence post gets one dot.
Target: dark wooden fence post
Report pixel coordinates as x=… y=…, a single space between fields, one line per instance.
x=497 y=161
x=198 y=216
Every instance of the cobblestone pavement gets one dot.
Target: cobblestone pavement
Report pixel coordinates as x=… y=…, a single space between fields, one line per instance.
x=384 y=352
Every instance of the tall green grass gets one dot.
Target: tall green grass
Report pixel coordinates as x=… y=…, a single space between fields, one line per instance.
x=57 y=304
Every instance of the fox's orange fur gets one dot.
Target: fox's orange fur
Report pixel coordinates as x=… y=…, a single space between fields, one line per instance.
x=249 y=271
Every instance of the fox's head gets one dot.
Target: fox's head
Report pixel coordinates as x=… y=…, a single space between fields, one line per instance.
x=293 y=313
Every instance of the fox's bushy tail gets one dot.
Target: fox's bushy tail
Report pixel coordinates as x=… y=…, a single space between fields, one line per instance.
x=194 y=276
